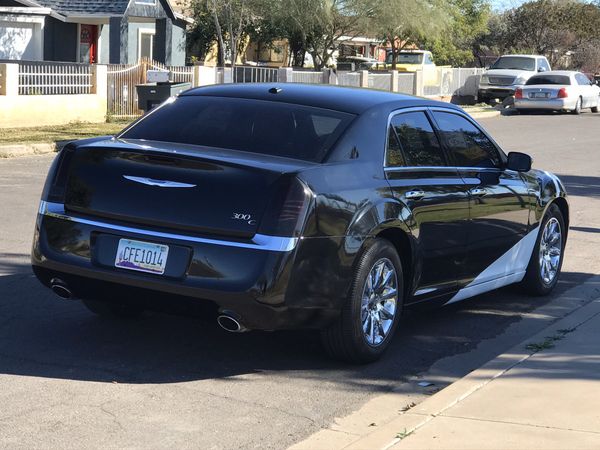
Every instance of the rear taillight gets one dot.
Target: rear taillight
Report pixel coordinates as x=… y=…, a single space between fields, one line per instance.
x=562 y=93
x=287 y=210
x=56 y=181
x=519 y=93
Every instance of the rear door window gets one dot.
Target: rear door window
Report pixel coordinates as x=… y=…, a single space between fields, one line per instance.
x=417 y=143
x=468 y=145
x=265 y=127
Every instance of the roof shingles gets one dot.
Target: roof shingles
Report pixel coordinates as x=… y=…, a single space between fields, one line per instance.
x=71 y=7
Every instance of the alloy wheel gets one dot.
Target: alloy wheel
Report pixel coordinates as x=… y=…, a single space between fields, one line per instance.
x=379 y=302
x=550 y=250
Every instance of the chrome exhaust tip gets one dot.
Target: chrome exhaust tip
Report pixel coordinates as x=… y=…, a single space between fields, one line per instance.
x=231 y=324
x=59 y=287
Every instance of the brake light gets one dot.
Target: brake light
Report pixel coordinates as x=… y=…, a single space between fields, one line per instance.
x=56 y=180
x=287 y=211
x=562 y=93
x=519 y=93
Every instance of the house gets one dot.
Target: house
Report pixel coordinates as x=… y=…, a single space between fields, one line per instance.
x=92 y=31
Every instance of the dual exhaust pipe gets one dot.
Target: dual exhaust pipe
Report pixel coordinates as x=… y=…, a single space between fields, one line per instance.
x=228 y=321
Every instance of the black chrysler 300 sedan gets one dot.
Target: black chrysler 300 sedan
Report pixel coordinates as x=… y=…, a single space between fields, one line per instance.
x=293 y=206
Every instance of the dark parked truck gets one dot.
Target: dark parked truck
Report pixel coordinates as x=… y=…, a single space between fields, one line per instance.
x=292 y=206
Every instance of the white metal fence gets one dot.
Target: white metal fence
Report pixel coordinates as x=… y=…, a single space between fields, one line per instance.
x=447 y=82
x=54 y=79
x=301 y=76
x=351 y=79
x=252 y=74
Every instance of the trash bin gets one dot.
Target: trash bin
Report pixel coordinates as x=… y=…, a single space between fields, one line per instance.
x=153 y=94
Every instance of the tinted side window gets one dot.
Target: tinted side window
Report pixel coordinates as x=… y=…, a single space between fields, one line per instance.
x=467 y=144
x=393 y=156
x=419 y=144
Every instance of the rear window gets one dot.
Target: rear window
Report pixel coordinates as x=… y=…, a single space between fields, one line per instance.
x=270 y=128
x=548 y=79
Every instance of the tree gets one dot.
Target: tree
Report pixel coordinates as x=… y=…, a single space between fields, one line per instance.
x=316 y=26
x=551 y=27
x=459 y=44
x=403 y=23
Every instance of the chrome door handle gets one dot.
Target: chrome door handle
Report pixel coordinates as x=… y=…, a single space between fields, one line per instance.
x=478 y=192
x=414 y=194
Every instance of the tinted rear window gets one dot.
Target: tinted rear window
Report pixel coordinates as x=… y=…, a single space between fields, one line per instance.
x=264 y=127
x=548 y=79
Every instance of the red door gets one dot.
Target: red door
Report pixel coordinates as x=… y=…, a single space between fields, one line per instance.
x=88 y=44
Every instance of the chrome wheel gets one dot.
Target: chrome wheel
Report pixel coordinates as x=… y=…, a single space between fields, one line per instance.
x=550 y=250
x=379 y=302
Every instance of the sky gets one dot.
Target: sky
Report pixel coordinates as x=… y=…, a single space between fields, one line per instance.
x=501 y=5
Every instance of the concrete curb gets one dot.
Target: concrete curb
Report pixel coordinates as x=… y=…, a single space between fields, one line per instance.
x=484 y=114
x=11 y=151
x=388 y=435
x=18 y=150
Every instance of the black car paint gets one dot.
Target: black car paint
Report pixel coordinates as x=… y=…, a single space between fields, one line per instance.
x=355 y=199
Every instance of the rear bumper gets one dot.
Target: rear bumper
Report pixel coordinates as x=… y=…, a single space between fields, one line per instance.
x=269 y=282
x=556 y=104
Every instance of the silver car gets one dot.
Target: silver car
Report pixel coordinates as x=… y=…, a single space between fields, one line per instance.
x=559 y=90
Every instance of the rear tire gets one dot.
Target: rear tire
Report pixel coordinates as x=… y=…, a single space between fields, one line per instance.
x=372 y=310
x=578 y=105
x=106 y=309
x=595 y=108
x=539 y=279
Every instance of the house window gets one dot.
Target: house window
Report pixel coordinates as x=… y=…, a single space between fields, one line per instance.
x=146 y=44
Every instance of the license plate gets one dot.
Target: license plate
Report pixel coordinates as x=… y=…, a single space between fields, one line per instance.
x=142 y=256
x=540 y=95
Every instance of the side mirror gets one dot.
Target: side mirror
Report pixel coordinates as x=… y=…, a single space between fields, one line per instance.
x=519 y=162
x=541 y=69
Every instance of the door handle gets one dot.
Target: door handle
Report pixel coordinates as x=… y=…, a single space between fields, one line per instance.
x=478 y=192
x=413 y=195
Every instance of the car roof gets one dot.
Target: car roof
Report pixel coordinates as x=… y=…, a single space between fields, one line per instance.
x=337 y=98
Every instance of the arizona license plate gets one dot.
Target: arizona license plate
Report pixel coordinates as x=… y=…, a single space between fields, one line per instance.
x=540 y=95
x=142 y=256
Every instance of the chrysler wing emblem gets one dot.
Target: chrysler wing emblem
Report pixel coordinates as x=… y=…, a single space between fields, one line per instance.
x=159 y=183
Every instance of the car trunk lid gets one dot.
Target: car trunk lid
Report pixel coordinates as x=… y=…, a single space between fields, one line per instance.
x=183 y=187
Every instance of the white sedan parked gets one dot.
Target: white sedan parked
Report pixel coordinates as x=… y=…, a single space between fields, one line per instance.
x=558 y=90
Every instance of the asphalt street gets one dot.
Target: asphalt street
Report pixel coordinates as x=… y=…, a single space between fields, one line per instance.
x=69 y=379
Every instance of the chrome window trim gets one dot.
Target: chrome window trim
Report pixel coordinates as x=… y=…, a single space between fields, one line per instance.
x=440 y=169
x=259 y=241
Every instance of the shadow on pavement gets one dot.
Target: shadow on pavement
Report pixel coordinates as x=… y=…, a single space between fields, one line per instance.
x=582 y=186
x=44 y=336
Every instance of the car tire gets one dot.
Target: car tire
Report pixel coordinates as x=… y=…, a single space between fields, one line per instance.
x=577 y=109
x=106 y=309
x=363 y=332
x=595 y=108
x=536 y=282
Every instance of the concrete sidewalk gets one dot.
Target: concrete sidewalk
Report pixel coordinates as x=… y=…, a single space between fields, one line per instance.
x=544 y=393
